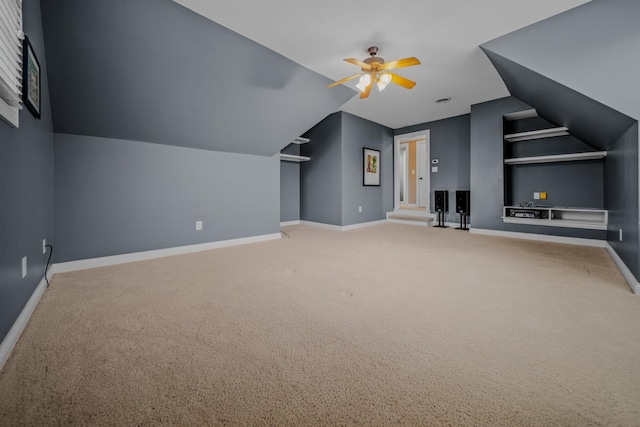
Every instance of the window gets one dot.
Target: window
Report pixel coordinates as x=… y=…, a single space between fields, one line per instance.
x=10 y=60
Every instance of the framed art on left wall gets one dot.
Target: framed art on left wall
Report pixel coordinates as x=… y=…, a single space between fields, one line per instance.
x=371 y=163
x=31 y=90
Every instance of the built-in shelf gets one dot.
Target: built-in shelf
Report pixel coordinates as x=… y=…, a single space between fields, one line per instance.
x=590 y=219
x=300 y=140
x=537 y=134
x=294 y=158
x=570 y=157
x=519 y=115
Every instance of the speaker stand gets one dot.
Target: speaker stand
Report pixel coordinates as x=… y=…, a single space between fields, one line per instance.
x=463 y=222
x=441 y=220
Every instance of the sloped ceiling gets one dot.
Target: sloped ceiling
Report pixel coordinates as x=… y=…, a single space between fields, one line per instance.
x=578 y=68
x=153 y=71
x=589 y=120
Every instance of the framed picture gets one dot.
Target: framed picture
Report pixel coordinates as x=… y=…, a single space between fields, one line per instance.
x=371 y=172
x=31 y=94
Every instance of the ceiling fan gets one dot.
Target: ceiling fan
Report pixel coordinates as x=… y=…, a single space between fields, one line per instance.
x=376 y=71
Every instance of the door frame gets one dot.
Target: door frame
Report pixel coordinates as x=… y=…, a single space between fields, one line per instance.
x=423 y=134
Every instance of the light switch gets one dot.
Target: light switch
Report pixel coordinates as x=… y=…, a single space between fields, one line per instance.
x=413 y=171
x=536 y=196
x=543 y=195
x=434 y=169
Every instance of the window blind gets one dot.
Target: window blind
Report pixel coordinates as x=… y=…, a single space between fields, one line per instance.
x=11 y=37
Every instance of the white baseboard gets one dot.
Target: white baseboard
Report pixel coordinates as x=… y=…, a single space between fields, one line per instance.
x=626 y=273
x=342 y=228
x=16 y=330
x=159 y=253
x=542 y=237
x=286 y=223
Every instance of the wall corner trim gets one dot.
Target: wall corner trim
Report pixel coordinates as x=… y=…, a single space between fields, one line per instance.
x=16 y=330
x=158 y=253
x=286 y=223
x=542 y=237
x=626 y=273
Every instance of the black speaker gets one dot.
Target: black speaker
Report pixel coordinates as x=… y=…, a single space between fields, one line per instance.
x=462 y=201
x=441 y=201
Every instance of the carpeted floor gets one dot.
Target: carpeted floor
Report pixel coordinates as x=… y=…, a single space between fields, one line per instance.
x=392 y=324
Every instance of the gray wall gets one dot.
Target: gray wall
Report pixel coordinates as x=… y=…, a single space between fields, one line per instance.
x=575 y=184
x=290 y=186
x=26 y=190
x=487 y=172
x=375 y=201
x=321 y=177
x=621 y=198
x=449 y=143
x=331 y=187
x=115 y=196
x=154 y=71
x=577 y=62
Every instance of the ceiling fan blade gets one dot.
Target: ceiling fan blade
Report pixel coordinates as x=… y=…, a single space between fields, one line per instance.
x=359 y=63
x=344 y=80
x=400 y=63
x=367 y=90
x=399 y=80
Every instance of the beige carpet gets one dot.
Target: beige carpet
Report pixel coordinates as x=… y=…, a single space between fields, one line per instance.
x=392 y=324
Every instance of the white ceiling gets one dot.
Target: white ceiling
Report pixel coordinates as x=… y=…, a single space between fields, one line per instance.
x=443 y=35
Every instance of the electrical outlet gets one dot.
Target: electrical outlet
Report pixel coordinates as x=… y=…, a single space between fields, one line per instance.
x=359 y=208
x=620 y=229
x=199 y=225
x=44 y=246
x=24 y=267
x=543 y=195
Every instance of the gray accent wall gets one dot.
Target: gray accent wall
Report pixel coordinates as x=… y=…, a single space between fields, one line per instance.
x=358 y=133
x=621 y=198
x=290 y=186
x=449 y=143
x=487 y=174
x=116 y=196
x=26 y=190
x=331 y=187
x=321 y=177
x=154 y=71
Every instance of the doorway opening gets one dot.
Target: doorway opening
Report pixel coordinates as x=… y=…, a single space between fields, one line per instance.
x=412 y=175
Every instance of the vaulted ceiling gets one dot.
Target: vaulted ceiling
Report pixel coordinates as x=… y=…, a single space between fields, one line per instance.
x=443 y=35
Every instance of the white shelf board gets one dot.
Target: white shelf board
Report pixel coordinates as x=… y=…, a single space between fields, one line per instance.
x=588 y=225
x=300 y=140
x=519 y=115
x=590 y=155
x=294 y=158
x=537 y=134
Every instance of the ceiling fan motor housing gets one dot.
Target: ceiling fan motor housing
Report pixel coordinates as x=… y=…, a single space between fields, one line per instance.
x=373 y=50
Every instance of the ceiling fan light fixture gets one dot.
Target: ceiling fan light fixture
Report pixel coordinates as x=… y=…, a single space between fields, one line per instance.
x=365 y=80
x=383 y=81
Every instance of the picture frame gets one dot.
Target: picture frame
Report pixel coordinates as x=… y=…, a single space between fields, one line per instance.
x=31 y=87
x=371 y=167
